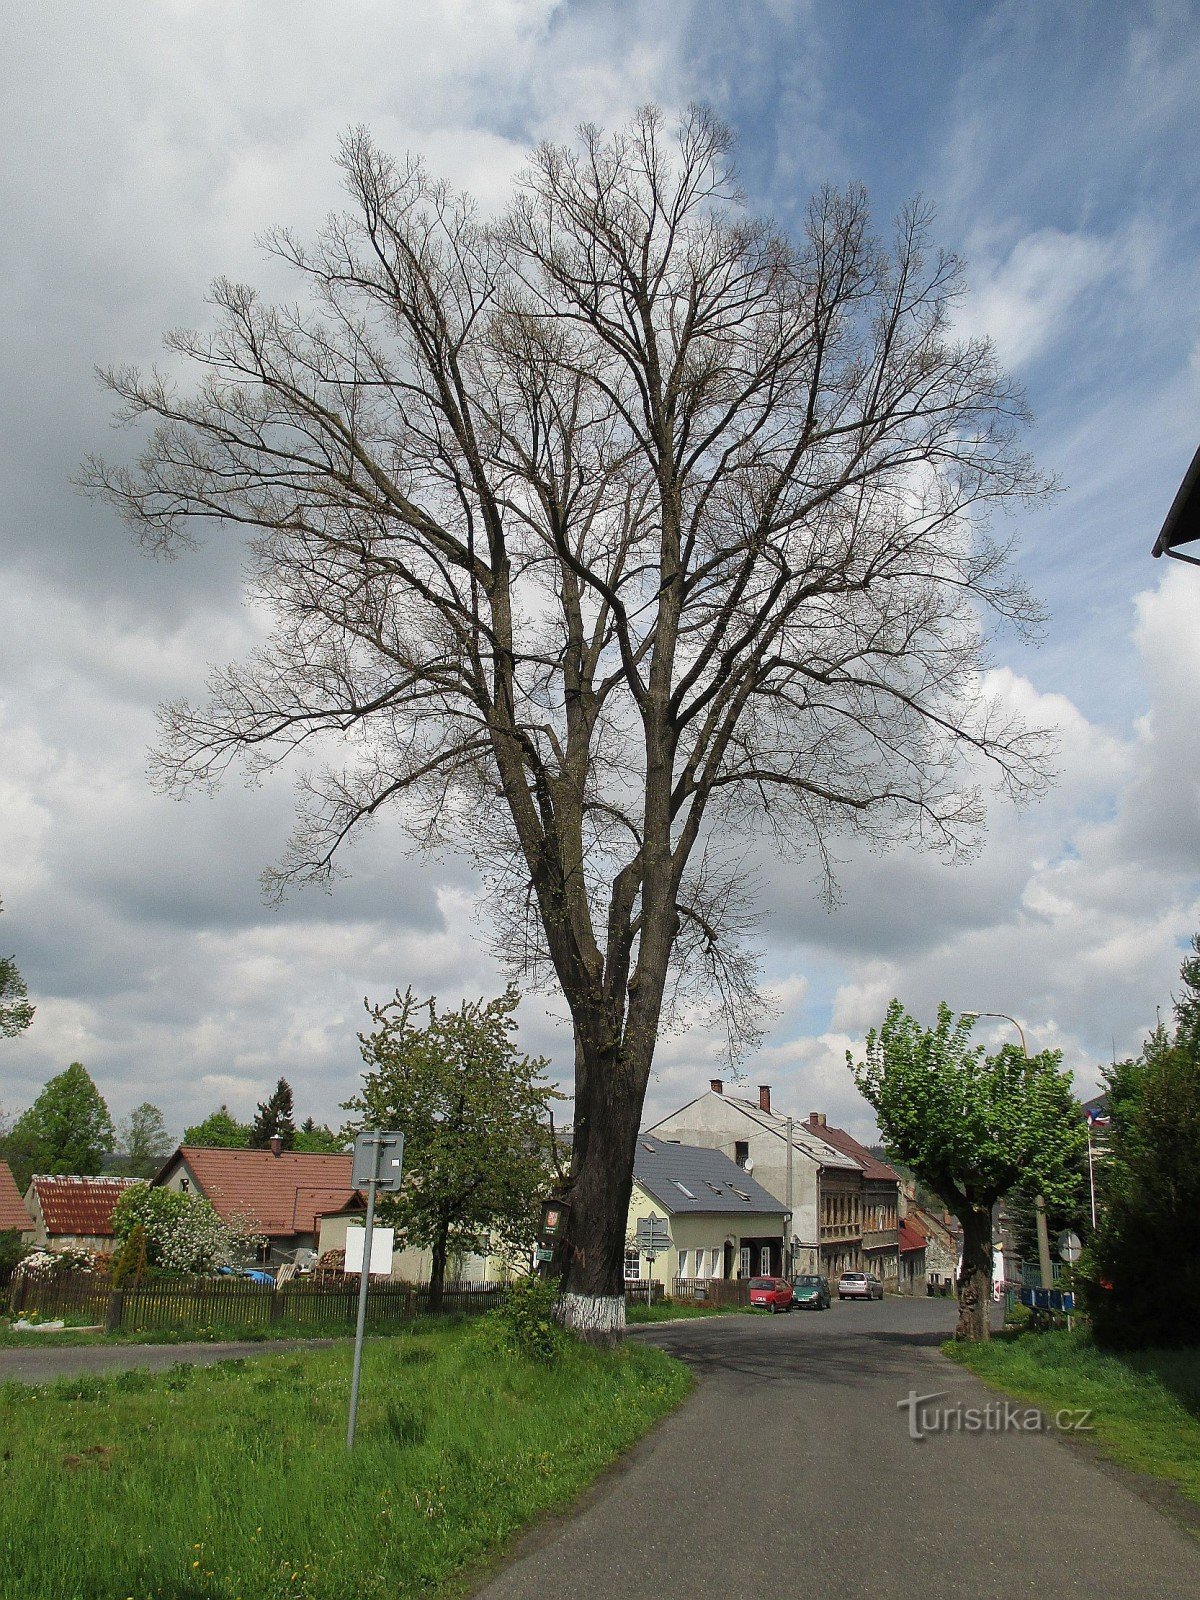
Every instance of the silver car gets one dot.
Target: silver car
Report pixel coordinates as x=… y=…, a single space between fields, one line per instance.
x=859 y=1286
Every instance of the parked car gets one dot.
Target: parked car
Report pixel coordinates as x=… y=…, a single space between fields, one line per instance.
x=811 y=1291
x=859 y=1286
x=773 y=1292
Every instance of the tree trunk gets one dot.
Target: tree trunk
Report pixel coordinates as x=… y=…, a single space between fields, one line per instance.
x=975 y=1276
x=608 y=1111
x=437 y=1269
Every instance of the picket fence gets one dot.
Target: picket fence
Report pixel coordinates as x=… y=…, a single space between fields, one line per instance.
x=231 y=1303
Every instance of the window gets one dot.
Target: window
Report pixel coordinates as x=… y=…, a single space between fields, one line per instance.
x=744 y=1261
x=764 y=1259
x=741 y=1152
x=633 y=1264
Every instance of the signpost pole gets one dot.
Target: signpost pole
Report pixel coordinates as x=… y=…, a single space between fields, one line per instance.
x=364 y=1285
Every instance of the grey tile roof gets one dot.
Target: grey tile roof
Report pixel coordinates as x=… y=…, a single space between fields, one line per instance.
x=711 y=1181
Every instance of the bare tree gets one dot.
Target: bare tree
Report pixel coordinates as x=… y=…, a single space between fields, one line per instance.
x=597 y=537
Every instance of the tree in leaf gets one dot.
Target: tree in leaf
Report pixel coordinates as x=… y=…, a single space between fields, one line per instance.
x=143 y=1143
x=317 y=1139
x=477 y=1121
x=602 y=539
x=220 y=1130
x=275 y=1119
x=970 y=1126
x=1143 y=1266
x=16 y=1013
x=67 y=1129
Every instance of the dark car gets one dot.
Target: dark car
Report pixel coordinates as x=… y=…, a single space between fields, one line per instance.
x=773 y=1292
x=810 y=1292
x=859 y=1286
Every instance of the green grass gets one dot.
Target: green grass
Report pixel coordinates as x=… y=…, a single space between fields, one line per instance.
x=1145 y=1406
x=234 y=1481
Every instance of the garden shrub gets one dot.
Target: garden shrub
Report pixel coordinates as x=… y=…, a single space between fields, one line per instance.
x=527 y=1319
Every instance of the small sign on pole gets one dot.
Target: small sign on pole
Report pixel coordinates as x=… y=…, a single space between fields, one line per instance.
x=378 y=1164
x=1070 y=1247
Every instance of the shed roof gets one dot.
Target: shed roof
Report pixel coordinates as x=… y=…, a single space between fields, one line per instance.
x=911 y=1239
x=13 y=1215
x=688 y=1179
x=284 y=1194
x=81 y=1206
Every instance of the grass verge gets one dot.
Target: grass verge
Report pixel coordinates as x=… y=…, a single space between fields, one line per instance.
x=1145 y=1405
x=233 y=1482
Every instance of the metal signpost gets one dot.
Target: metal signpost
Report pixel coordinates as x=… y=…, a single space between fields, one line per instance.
x=1070 y=1248
x=378 y=1165
x=653 y=1240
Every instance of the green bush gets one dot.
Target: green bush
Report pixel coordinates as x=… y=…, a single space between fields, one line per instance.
x=527 y=1319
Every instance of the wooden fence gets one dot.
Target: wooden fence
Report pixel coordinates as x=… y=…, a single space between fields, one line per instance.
x=234 y=1304
x=712 y=1291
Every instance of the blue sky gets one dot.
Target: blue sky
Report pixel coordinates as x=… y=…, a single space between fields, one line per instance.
x=150 y=142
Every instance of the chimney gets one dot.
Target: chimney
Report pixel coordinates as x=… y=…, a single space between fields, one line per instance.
x=817 y=1118
x=764 y=1098
x=717 y=1085
x=276 y=1145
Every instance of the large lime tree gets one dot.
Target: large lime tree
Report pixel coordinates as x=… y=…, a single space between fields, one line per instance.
x=599 y=538
x=970 y=1125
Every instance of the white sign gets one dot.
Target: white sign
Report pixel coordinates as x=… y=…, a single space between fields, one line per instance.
x=1070 y=1247
x=382 y=1246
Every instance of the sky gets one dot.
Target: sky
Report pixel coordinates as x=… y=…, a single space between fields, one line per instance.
x=146 y=147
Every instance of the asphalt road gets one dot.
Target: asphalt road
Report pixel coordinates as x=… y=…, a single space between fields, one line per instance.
x=791 y=1471
x=44 y=1364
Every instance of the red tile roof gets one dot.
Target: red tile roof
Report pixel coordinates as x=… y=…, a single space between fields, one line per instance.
x=849 y=1146
x=13 y=1215
x=911 y=1238
x=283 y=1194
x=79 y=1205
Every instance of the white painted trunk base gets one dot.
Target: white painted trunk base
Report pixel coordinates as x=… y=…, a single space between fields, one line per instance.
x=593 y=1315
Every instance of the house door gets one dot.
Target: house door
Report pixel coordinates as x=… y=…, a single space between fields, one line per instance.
x=744 y=1261
x=727 y=1259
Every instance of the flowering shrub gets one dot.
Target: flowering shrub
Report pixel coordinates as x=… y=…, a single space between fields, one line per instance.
x=57 y=1261
x=183 y=1232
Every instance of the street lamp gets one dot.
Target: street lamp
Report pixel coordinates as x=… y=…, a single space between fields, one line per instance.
x=1039 y=1201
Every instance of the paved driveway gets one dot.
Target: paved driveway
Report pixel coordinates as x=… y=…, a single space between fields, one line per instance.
x=791 y=1472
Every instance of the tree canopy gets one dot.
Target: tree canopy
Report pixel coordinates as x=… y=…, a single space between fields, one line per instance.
x=601 y=539
x=220 y=1130
x=275 y=1119
x=1142 y=1263
x=476 y=1116
x=16 y=1013
x=970 y=1126
x=142 y=1142
x=67 y=1129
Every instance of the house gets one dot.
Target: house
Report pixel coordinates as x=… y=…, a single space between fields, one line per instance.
x=912 y=1258
x=74 y=1213
x=943 y=1246
x=803 y=1172
x=290 y=1197
x=879 y=1200
x=13 y=1216
x=721 y=1223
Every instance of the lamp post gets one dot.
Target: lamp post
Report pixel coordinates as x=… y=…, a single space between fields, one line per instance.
x=1039 y=1201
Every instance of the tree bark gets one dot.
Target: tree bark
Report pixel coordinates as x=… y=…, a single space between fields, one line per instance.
x=437 y=1269
x=608 y=1110
x=975 y=1276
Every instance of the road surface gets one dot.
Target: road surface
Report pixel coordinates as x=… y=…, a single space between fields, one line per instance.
x=791 y=1471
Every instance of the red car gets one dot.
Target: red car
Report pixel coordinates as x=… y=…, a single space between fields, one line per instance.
x=773 y=1292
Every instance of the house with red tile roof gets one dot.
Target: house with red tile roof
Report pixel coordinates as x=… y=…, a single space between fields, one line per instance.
x=13 y=1216
x=70 y=1213
x=285 y=1195
x=912 y=1258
